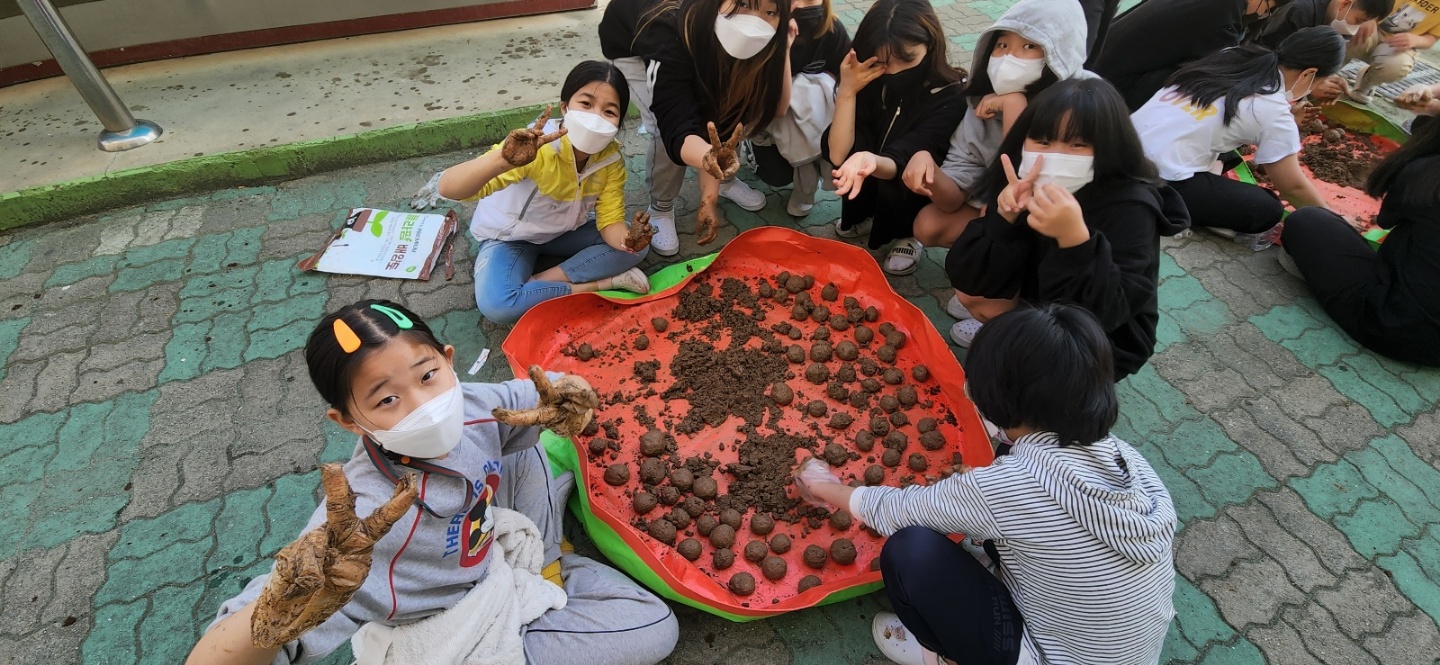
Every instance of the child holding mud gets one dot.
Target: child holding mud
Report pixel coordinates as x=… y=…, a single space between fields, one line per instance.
x=1388 y=45
x=898 y=96
x=388 y=380
x=700 y=69
x=1344 y=16
x=536 y=193
x=1078 y=221
x=1033 y=45
x=1079 y=524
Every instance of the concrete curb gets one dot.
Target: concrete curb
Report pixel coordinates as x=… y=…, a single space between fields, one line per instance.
x=85 y=196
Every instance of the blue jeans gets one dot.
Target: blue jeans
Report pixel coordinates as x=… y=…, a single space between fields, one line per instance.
x=503 y=268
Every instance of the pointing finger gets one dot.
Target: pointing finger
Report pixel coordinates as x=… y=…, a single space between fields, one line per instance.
x=1009 y=169
x=714 y=135
x=1035 y=170
x=735 y=135
x=554 y=135
x=379 y=522
x=340 y=520
x=542 y=385
x=544 y=118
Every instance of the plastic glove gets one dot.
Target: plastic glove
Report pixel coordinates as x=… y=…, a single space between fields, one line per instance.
x=429 y=196
x=810 y=474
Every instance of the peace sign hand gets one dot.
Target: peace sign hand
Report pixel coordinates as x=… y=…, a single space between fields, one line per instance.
x=721 y=161
x=1055 y=213
x=318 y=573
x=855 y=75
x=1016 y=195
x=523 y=144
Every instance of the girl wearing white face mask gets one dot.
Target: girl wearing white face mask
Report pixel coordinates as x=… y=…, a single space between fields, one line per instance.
x=557 y=189
x=1344 y=16
x=388 y=380
x=1238 y=97
x=1074 y=214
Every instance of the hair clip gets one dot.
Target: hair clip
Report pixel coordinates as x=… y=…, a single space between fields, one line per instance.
x=349 y=341
x=401 y=321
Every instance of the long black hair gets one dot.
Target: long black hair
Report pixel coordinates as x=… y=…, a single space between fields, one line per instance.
x=593 y=71
x=1245 y=71
x=895 y=25
x=332 y=367
x=745 y=91
x=1088 y=110
x=1422 y=187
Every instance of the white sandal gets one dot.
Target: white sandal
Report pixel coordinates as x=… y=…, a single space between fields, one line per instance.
x=904 y=257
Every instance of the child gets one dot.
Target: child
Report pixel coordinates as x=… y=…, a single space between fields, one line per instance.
x=694 y=64
x=389 y=381
x=1080 y=525
x=1388 y=47
x=1079 y=222
x=1035 y=44
x=1238 y=97
x=1345 y=16
x=898 y=96
x=536 y=191
x=789 y=150
x=1388 y=301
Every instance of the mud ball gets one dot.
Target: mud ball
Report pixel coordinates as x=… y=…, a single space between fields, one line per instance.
x=821 y=352
x=815 y=557
x=889 y=404
x=817 y=373
x=841 y=519
x=743 y=584
x=782 y=394
x=765 y=289
x=846 y=373
x=896 y=339
x=679 y=517
x=879 y=425
x=868 y=367
x=780 y=544
x=932 y=440
x=893 y=376
x=668 y=495
x=795 y=334
x=907 y=396
x=821 y=314
x=794 y=284
x=599 y=446
x=799 y=312
x=891 y=458
x=782 y=278
x=830 y=292
x=926 y=425
x=886 y=328
x=835 y=454
x=854 y=315
x=773 y=568
x=682 y=479
x=898 y=419
x=841 y=421
x=762 y=524
x=795 y=354
x=705 y=524
x=847 y=351
x=756 y=550
x=864 y=335
x=617 y=474
x=860 y=399
x=722 y=536
x=652 y=443
x=807 y=583
x=896 y=440
x=873 y=476
x=730 y=517
x=641 y=343
x=808 y=280
x=842 y=551
x=705 y=487
x=806 y=300
x=643 y=502
x=864 y=441
x=693 y=505
x=871 y=314
x=659 y=324
x=921 y=373
x=886 y=354
x=652 y=471
x=817 y=409
x=851 y=303
x=663 y=531
x=870 y=386
x=821 y=334
x=585 y=352
x=722 y=558
x=689 y=548
x=839 y=322
x=918 y=463
x=837 y=391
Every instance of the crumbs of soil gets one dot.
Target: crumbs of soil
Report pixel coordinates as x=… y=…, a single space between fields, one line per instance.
x=1341 y=156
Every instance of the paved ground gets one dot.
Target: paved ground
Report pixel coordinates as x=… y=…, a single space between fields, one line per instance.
x=159 y=439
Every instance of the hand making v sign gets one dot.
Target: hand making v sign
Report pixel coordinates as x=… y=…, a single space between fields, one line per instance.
x=1055 y=213
x=1016 y=195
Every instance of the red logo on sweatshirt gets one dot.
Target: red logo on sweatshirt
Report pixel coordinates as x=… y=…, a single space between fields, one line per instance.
x=480 y=524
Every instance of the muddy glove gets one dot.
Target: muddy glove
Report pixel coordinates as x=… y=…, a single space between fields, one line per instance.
x=640 y=232
x=429 y=196
x=565 y=407
x=812 y=473
x=318 y=573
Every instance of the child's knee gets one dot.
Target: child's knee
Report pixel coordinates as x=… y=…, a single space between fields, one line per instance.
x=501 y=305
x=911 y=549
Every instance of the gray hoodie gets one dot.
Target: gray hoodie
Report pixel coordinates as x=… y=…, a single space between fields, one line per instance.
x=1085 y=536
x=1058 y=26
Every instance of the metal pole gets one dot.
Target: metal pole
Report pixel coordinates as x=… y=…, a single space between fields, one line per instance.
x=122 y=130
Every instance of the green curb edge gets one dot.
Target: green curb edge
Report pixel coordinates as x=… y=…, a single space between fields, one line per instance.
x=85 y=196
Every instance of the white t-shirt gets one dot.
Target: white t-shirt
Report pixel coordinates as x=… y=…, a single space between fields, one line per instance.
x=1184 y=140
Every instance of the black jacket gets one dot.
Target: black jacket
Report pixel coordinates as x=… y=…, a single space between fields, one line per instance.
x=1114 y=274
x=813 y=55
x=1155 y=39
x=899 y=123
x=1289 y=20
x=677 y=96
x=1411 y=253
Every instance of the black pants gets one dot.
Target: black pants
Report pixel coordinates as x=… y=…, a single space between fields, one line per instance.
x=772 y=167
x=892 y=205
x=1219 y=202
x=951 y=604
x=1098 y=14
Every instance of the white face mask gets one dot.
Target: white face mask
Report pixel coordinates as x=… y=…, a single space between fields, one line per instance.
x=1069 y=171
x=743 y=35
x=1012 y=73
x=588 y=132
x=1347 y=29
x=1290 y=95
x=429 y=431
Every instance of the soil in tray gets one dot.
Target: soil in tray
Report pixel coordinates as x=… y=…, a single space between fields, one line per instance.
x=1340 y=159
x=740 y=379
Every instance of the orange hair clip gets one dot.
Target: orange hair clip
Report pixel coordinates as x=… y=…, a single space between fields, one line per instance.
x=349 y=341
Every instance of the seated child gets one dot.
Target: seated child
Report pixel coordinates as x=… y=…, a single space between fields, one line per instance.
x=1388 y=46
x=1345 y=16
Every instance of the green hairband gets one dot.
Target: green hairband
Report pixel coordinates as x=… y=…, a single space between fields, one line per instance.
x=401 y=321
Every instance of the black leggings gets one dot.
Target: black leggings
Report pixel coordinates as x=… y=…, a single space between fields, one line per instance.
x=950 y=602
x=1219 y=202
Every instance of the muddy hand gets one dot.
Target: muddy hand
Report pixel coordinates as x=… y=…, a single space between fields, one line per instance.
x=318 y=573
x=721 y=161
x=707 y=222
x=565 y=407
x=523 y=144
x=640 y=232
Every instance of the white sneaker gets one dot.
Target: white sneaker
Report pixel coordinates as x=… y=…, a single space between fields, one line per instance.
x=743 y=195
x=855 y=231
x=963 y=333
x=904 y=257
x=632 y=280
x=797 y=206
x=896 y=643
x=665 y=242
x=954 y=308
x=1358 y=93
x=1288 y=263
x=1224 y=233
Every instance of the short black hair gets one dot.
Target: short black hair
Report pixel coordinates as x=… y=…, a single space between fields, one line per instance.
x=1049 y=367
x=596 y=71
x=1375 y=9
x=332 y=367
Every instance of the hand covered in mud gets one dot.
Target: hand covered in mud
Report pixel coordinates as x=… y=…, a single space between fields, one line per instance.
x=721 y=162
x=707 y=221
x=1328 y=90
x=523 y=144
x=812 y=473
x=565 y=407
x=640 y=232
x=318 y=573
x=1304 y=112
x=1418 y=98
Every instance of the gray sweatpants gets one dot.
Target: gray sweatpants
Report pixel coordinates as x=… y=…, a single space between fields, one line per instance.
x=662 y=176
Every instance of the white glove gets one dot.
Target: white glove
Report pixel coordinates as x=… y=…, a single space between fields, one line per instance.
x=813 y=473
x=429 y=196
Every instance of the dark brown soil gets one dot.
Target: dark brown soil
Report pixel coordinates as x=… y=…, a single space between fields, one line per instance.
x=645 y=370
x=780 y=544
x=1340 y=156
x=689 y=548
x=763 y=471
x=815 y=556
x=617 y=474
x=807 y=583
x=762 y=524
x=744 y=374
x=842 y=550
x=773 y=568
x=742 y=584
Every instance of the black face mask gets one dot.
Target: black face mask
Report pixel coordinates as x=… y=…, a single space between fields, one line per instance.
x=908 y=80
x=808 y=19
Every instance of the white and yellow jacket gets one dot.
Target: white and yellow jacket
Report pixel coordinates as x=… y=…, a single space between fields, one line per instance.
x=547 y=198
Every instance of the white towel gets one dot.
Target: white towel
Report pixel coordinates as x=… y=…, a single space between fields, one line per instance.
x=812 y=107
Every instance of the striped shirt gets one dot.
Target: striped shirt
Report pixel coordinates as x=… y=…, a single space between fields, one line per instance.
x=1085 y=536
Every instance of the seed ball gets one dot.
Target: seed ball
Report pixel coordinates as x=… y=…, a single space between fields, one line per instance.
x=817 y=409
x=895 y=338
x=889 y=404
x=668 y=495
x=886 y=328
x=837 y=391
x=854 y=315
x=806 y=300
x=773 y=568
x=926 y=425
x=841 y=421
x=891 y=458
x=598 y=446
x=643 y=502
x=839 y=322
x=851 y=303
x=705 y=524
x=893 y=376
x=817 y=373
x=807 y=583
x=794 y=284
x=815 y=557
x=652 y=443
x=663 y=531
x=756 y=550
x=782 y=394
x=864 y=441
x=652 y=471
x=731 y=517
x=886 y=354
x=642 y=342
x=860 y=399
x=864 y=335
x=879 y=425
x=873 y=476
x=918 y=463
x=921 y=373
x=899 y=419
x=722 y=536
x=799 y=312
x=795 y=334
x=842 y=551
x=765 y=289
x=835 y=454
x=743 y=584
x=689 y=548
x=679 y=517
x=830 y=292
x=705 y=487
x=617 y=474
x=780 y=544
x=820 y=314
x=722 y=558
x=782 y=278
x=907 y=395
x=693 y=505
x=841 y=519
x=847 y=350
x=586 y=352
x=821 y=351
x=870 y=386
x=821 y=334
x=809 y=280
x=659 y=324
x=896 y=440
x=795 y=354
x=682 y=479
x=762 y=524
x=868 y=367
x=846 y=374
x=871 y=314
x=932 y=440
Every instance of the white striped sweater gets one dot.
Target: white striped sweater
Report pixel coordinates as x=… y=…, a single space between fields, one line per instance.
x=1085 y=536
